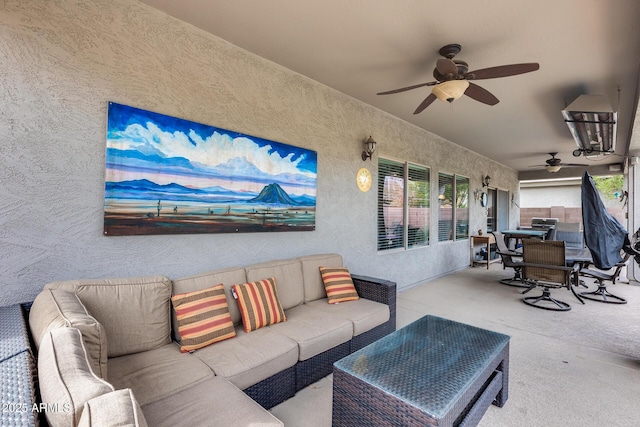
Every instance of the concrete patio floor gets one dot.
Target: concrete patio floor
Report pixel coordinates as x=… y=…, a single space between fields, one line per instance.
x=575 y=368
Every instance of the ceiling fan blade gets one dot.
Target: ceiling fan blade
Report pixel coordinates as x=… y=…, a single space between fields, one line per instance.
x=502 y=71
x=389 y=92
x=480 y=94
x=446 y=66
x=427 y=101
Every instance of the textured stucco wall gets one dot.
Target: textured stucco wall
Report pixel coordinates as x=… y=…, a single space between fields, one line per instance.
x=62 y=60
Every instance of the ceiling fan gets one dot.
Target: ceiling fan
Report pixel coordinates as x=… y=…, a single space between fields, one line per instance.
x=453 y=79
x=554 y=164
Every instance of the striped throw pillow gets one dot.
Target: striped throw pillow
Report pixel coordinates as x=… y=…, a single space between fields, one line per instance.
x=203 y=317
x=258 y=304
x=338 y=284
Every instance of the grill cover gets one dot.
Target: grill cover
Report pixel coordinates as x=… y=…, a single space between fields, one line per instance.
x=603 y=234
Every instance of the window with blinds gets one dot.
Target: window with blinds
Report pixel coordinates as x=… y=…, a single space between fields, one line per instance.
x=453 y=191
x=418 y=196
x=445 y=207
x=403 y=205
x=462 y=208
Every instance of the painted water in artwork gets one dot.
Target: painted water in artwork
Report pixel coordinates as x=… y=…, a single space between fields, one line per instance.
x=166 y=175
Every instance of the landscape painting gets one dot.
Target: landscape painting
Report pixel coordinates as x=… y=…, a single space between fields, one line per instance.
x=166 y=175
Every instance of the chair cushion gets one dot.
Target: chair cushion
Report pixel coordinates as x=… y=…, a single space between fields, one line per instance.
x=134 y=311
x=259 y=304
x=203 y=317
x=56 y=308
x=288 y=275
x=364 y=314
x=250 y=357
x=65 y=376
x=313 y=330
x=157 y=373
x=313 y=285
x=338 y=284
x=214 y=403
x=118 y=408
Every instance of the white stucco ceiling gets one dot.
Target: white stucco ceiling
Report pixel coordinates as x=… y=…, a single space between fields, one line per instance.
x=361 y=47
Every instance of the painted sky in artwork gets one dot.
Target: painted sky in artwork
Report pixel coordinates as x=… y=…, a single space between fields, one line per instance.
x=142 y=145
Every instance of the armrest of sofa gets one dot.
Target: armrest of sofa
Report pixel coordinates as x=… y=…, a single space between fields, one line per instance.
x=378 y=290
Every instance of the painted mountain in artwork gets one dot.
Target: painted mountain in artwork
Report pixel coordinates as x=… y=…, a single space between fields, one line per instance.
x=274 y=194
x=143 y=189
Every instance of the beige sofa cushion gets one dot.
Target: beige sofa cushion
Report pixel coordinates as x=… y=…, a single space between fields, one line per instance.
x=135 y=312
x=57 y=308
x=65 y=376
x=365 y=314
x=213 y=403
x=157 y=373
x=118 y=408
x=250 y=357
x=313 y=330
x=289 y=279
x=228 y=277
x=313 y=285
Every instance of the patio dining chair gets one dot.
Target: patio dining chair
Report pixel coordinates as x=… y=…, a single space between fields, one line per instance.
x=602 y=294
x=544 y=266
x=511 y=259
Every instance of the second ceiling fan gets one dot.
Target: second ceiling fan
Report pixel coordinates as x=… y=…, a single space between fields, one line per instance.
x=554 y=164
x=453 y=79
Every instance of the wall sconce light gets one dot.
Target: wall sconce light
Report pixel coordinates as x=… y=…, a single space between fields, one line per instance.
x=369 y=148
x=486 y=181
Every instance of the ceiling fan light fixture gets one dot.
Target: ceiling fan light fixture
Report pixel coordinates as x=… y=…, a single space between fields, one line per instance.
x=450 y=90
x=553 y=168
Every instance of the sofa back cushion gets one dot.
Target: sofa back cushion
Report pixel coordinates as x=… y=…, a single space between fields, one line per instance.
x=135 y=312
x=313 y=285
x=288 y=276
x=227 y=276
x=65 y=377
x=58 y=308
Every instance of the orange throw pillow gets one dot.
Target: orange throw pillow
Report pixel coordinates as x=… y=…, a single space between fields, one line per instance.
x=258 y=303
x=338 y=284
x=203 y=318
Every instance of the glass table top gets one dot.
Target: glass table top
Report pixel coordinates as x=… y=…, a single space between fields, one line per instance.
x=429 y=363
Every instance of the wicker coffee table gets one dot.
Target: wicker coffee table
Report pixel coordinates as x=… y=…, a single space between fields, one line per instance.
x=433 y=372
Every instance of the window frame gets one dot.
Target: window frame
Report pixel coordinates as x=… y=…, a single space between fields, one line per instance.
x=448 y=228
x=406 y=238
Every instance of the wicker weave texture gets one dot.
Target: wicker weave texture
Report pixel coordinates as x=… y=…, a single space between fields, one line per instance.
x=275 y=389
x=319 y=366
x=17 y=370
x=433 y=372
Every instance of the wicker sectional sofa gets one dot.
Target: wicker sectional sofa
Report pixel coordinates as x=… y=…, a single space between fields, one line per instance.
x=107 y=349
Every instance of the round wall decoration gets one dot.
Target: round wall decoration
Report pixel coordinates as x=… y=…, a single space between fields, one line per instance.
x=363 y=179
x=483 y=200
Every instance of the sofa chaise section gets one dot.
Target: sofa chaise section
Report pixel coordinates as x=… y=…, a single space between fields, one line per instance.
x=199 y=406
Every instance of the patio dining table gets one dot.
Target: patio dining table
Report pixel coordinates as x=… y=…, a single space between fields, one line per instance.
x=581 y=256
x=520 y=234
